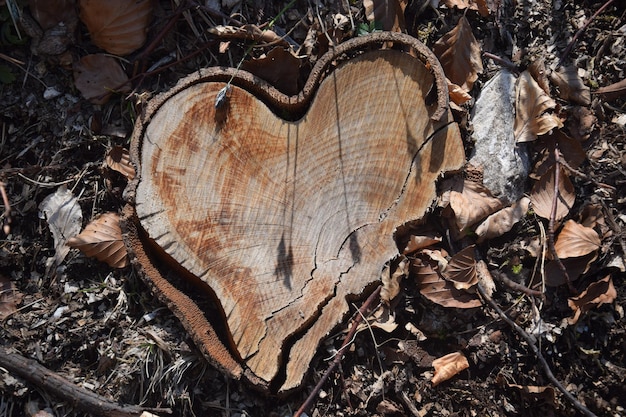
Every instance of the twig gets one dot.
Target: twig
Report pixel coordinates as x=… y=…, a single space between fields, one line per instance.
x=78 y=397
x=555 y=200
x=581 y=30
x=531 y=342
x=503 y=61
x=346 y=341
x=503 y=278
x=6 y=226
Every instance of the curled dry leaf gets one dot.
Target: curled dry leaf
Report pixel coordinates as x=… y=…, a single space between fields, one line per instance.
x=49 y=13
x=459 y=53
x=571 y=86
x=472 y=204
x=457 y=95
x=479 y=5
x=118 y=159
x=64 y=217
x=596 y=294
x=575 y=267
x=97 y=76
x=542 y=195
x=576 y=240
x=117 y=26
x=416 y=243
x=461 y=269
x=389 y=13
x=280 y=68
x=532 y=106
x=534 y=392
x=448 y=366
x=502 y=221
x=391 y=279
x=9 y=297
x=613 y=91
x=102 y=239
x=438 y=290
x=248 y=32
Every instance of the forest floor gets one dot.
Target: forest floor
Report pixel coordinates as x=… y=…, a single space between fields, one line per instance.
x=101 y=328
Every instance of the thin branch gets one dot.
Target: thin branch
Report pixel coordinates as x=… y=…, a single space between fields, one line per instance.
x=346 y=342
x=77 y=396
x=531 y=343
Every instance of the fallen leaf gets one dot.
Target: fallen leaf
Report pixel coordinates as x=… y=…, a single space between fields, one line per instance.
x=49 y=13
x=535 y=392
x=542 y=195
x=502 y=221
x=613 y=91
x=64 y=217
x=118 y=159
x=472 y=204
x=117 y=26
x=575 y=268
x=102 y=239
x=459 y=54
x=592 y=215
x=571 y=151
x=9 y=297
x=448 y=366
x=280 y=68
x=438 y=290
x=461 y=269
x=248 y=32
x=389 y=13
x=596 y=294
x=97 y=76
x=479 y=5
x=382 y=318
x=571 y=86
x=457 y=94
x=532 y=106
x=391 y=277
x=416 y=243
x=576 y=240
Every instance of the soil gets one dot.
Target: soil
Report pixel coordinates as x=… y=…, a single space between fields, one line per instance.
x=102 y=329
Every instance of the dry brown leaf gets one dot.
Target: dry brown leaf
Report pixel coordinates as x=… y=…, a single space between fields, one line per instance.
x=571 y=86
x=479 y=5
x=97 y=76
x=472 y=204
x=613 y=91
x=102 y=239
x=391 y=279
x=532 y=106
x=575 y=267
x=49 y=13
x=457 y=94
x=382 y=318
x=416 y=243
x=248 y=32
x=542 y=195
x=596 y=294
x=448 y=366
x=118 y=159
x=461 y=269
x=388 y=13
x=9 y=297
x=117 y=26
x=592 y=215
x=576 y=240
x=280 y=68
x=571 y=150
x=459 y=54
x=438 y=290
x=531 y=392
x=502 y=221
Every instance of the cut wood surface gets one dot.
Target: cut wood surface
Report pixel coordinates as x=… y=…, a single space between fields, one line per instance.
x=285 y=220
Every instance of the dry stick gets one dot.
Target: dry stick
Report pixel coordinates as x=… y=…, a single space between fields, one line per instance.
x=502 y=277
x=555 y=199
x=503 y=61
x=6 y=227
x=339 y=356
x=55 y=384
x=529 y=340
x=582 y=29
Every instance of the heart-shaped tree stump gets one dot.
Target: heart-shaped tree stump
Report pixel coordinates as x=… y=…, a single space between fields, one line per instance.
x=258 y=219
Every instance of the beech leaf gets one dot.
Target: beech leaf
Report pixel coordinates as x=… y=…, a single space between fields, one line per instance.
x=416 y=243
x=502 y=221
x=532 y=106
x=596 y=294
x=575 y=267
x=97 y=76
x=64 y=217
x=459 y=54
x=118 y=159
x=391 y=280
x=576 y=240
x=389 y=13
x=542 y=195
x=102 y=239
x=461 y=269
x=472 y=204
x=117 y=26
x=571 y=86
x=457 y=95
x=479 y=5
x=448 y=366
x=438 y=290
